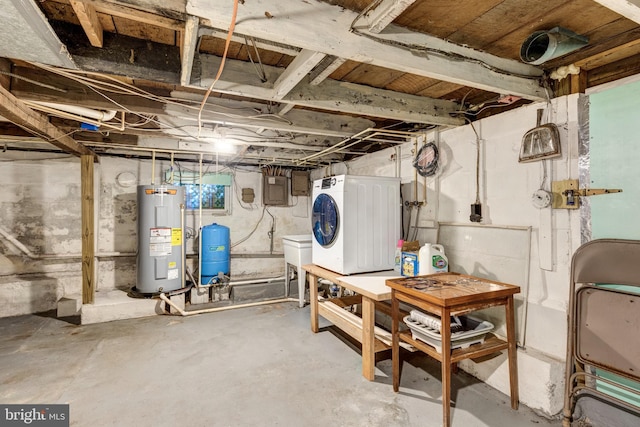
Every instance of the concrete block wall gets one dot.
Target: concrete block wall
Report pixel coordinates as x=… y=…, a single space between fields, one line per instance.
x=40 y=208
x=506 y=187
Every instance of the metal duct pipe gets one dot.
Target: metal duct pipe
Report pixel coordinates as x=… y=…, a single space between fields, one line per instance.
x=541 y=46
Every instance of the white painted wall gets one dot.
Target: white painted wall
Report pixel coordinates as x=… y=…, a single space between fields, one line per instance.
x=506 y=187
x=40 y=208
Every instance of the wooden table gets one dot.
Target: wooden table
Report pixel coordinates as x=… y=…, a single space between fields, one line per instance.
x=372 y=291
x=450 y=294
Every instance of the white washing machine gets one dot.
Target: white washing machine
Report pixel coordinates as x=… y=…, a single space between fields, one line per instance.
x=355 y=223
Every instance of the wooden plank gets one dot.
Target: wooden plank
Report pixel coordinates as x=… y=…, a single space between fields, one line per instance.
x=89 y=21
x=385 y=12
x=326 y=68
x=189 y=39
x=17 y=112
x=168 y=13
x=444 y=17
x=370 y=75
x=295 y=72
x=350 y=324
x=579 y=84
x=132 y=28
x=88 y=244
x=628 y=8
x=614 y=71
x=491 y=345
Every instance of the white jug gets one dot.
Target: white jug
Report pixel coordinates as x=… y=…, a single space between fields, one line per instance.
x=431 y=259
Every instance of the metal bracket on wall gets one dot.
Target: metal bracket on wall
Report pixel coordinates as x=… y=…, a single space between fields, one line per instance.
x=566 y=194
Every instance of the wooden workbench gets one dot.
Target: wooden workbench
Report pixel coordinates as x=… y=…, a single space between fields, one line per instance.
x=372 y=292
x=446 y=295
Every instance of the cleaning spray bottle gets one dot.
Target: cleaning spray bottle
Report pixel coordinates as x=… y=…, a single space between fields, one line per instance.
x=431 y=259
x=398 y=256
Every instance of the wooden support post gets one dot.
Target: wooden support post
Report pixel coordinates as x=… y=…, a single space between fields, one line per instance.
x=368 y=336
x=88 y=18
x=579 y=82
x=88 y=249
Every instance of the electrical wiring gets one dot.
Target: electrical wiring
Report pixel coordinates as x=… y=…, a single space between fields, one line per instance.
x=244 y=239
x=35 y=82
x=222 y=62
x=261 y=73
x=123 y=88
x=477 y=161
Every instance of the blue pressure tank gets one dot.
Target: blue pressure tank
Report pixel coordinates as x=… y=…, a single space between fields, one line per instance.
x=215 y=253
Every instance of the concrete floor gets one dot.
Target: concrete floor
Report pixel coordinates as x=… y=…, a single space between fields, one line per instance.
x=259 y=366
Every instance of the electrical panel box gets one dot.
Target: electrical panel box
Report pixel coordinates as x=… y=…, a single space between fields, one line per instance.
x=300 y=183
x=274 y=190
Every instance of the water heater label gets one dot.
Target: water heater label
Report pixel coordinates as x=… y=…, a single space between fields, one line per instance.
x=159 y=241
x=173 y=274
x=176 y=236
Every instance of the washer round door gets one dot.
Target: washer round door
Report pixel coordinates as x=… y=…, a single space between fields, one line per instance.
x=325 y=220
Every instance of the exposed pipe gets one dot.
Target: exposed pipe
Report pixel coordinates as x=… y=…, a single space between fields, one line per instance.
x=72 y=116
x=200 y=223
x=103 y=116
x=183 y=247
x=153 y=168
x=251 y=281
x=229 y=307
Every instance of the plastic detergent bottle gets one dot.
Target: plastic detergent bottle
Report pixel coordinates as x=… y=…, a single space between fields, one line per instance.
x=431 y=259
x=398 y=256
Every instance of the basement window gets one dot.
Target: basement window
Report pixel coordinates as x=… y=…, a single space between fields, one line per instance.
x=215 y=190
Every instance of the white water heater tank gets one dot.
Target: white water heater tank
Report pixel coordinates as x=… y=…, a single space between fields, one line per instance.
x=160 y=238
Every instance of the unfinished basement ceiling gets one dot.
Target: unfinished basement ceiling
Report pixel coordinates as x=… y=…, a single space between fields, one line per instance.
x=300 y=76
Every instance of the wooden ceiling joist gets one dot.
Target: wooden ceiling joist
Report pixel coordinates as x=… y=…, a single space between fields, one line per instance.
x=18 y=113
x=89 y=21
x=398 y=49
x=385 y=13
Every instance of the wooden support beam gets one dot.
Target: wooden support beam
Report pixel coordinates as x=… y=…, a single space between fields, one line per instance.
x=188 y=48
x=165 y=13
x=332 y=95
x=88 y=244
x=295 y=72
x=17 y=112
x=89 y=21
x=325 y=70
x=384 y=14
x=627 y=8
x=579 y=82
